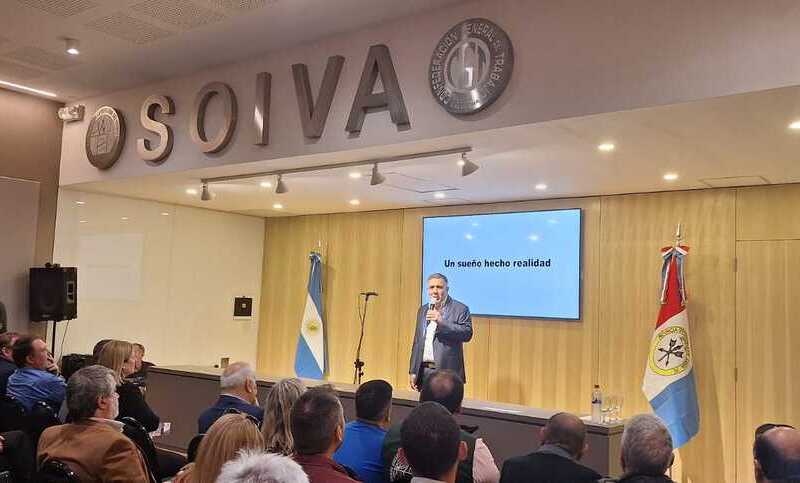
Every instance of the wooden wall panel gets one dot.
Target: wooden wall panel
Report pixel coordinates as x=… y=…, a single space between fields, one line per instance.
x=768 y=281
x=768 y=212
x=634 y=227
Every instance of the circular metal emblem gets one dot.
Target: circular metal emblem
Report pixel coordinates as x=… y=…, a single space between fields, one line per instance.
x=105 y=137
x=670 y=353
x=471 y=66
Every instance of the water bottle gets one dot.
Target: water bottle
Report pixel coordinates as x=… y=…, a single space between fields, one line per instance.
x=597 y=402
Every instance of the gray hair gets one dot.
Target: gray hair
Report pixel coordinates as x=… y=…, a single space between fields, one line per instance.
x=439 y=276
x=646 y=445
x=85 y=387
x=236 y=375
x=254 y=466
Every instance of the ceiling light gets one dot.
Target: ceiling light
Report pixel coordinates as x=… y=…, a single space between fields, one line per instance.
x=83 y=221
x=280 y=186
x=72 y=46
x=277 y=206
x=124 y=218
x=266 y=184
x=206 y=194
x=355 y=174
x=468 y=167
x=80 y=202
x=606 y=147
x=794 y=125
x=439 y=195
x=377 y=178
x=191 y=191
x=355 y=202
x=541 y=186
x=26 y=89
x=164 y=213
x=671 y=176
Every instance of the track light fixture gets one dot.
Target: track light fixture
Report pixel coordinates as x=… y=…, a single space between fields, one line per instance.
x=280 y=186
x=377 y=178
x=205 y=195
x=467 y=166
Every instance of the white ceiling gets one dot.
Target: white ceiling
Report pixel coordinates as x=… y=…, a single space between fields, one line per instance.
x=125 y=43
x=735 y=140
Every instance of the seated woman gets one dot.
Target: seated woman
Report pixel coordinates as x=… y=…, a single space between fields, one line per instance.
x=223 y=441
x=277 y=409
x=117 y=355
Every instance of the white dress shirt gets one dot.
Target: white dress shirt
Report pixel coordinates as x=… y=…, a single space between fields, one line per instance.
x=430 y=332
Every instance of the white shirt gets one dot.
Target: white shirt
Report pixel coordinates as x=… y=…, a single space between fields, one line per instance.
x=430 y=332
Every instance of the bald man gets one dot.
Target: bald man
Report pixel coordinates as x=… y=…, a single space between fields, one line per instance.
x=563 y=443
x=776 y=452
x=238 y=393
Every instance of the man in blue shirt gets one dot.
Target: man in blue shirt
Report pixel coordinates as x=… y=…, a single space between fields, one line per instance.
x=238 y=393
x=363 y=438
x=36 y=378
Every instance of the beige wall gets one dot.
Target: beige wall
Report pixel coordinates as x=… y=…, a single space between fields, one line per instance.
x=167 y=281
x=741 y=318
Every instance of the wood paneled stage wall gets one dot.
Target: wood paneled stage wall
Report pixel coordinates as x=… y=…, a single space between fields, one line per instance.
x=743 y=274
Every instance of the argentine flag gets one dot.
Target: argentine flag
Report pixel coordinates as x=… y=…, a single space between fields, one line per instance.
x=669 y=377
x=309 y=361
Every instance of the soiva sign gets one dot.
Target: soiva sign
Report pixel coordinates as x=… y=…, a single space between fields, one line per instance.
x=470 y=68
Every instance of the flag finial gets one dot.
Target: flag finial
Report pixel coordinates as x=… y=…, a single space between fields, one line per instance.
x=678 y=235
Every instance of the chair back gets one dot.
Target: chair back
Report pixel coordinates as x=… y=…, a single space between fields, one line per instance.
x=134 y=430
x=12 y=414
x=194 y=445
x=54 y=471
x=40 y=418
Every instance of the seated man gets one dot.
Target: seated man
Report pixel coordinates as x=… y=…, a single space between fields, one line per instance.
x=238 y=392
x=776 y=452
x=317 y=422
x=363 y=438
x=36 y=377
x=563 y=442
x=646 y=453
x=93 y=445
x=253 y=466
x=7 y=366
x=431 y=443
x=445 y=388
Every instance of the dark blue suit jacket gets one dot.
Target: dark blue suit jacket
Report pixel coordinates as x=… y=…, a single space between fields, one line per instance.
x=225 y=402
x=451 y=333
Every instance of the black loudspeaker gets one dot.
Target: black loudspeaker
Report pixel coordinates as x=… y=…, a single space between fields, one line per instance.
x=53 y=293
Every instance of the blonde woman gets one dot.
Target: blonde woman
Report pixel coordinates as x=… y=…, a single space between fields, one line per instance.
x=118 y=356
x=277 y=410
x=226 y=437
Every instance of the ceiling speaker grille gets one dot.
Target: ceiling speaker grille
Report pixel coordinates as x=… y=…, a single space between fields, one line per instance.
x=10 y=69
x=180 y=13
x=128 y=28
x=41 y=58
x=235 y=6
x=61 y=8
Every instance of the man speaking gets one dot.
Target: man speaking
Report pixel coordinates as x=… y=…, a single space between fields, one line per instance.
x=443 y=325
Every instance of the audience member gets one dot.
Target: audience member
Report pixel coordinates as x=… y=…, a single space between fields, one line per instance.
x=277 y=415
x=646 y=450
x=317 y=424
x=36 y=377
x=563 y=443
x=363 y=438
x=18 y=456
x=97 y=348
x=253 y=466
x=225 y=438
x=431 y=443
x=93 y=445
x=776 y=452
x=140 y=370
x=238 y=392
x=117 y=355
x=447 y=389
x=7 y=366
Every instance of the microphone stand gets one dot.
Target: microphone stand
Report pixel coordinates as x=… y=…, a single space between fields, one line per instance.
x=358 y=363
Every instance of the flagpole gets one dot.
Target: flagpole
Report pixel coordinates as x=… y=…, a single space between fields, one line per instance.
x=678 y=236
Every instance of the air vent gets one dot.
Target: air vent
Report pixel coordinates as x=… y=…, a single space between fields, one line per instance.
x=732 y=181
x=128 y=28
x=414 y=184
x=61 y=8
x=236 y=6
x=16 y=71
x=41 y=58
x=180 y=13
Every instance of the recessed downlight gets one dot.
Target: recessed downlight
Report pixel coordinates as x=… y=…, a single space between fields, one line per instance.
x=541 y=186
x=439 y=195
x=191 y=191
x=80 y=202
x=354 y=174
x=124 y=218
x=606 y=147
x=83 y=221
x=164 y=213
x=355 y=202
x=265 y=184
x=670 y=176
x=794 y=125
x=277 y=206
